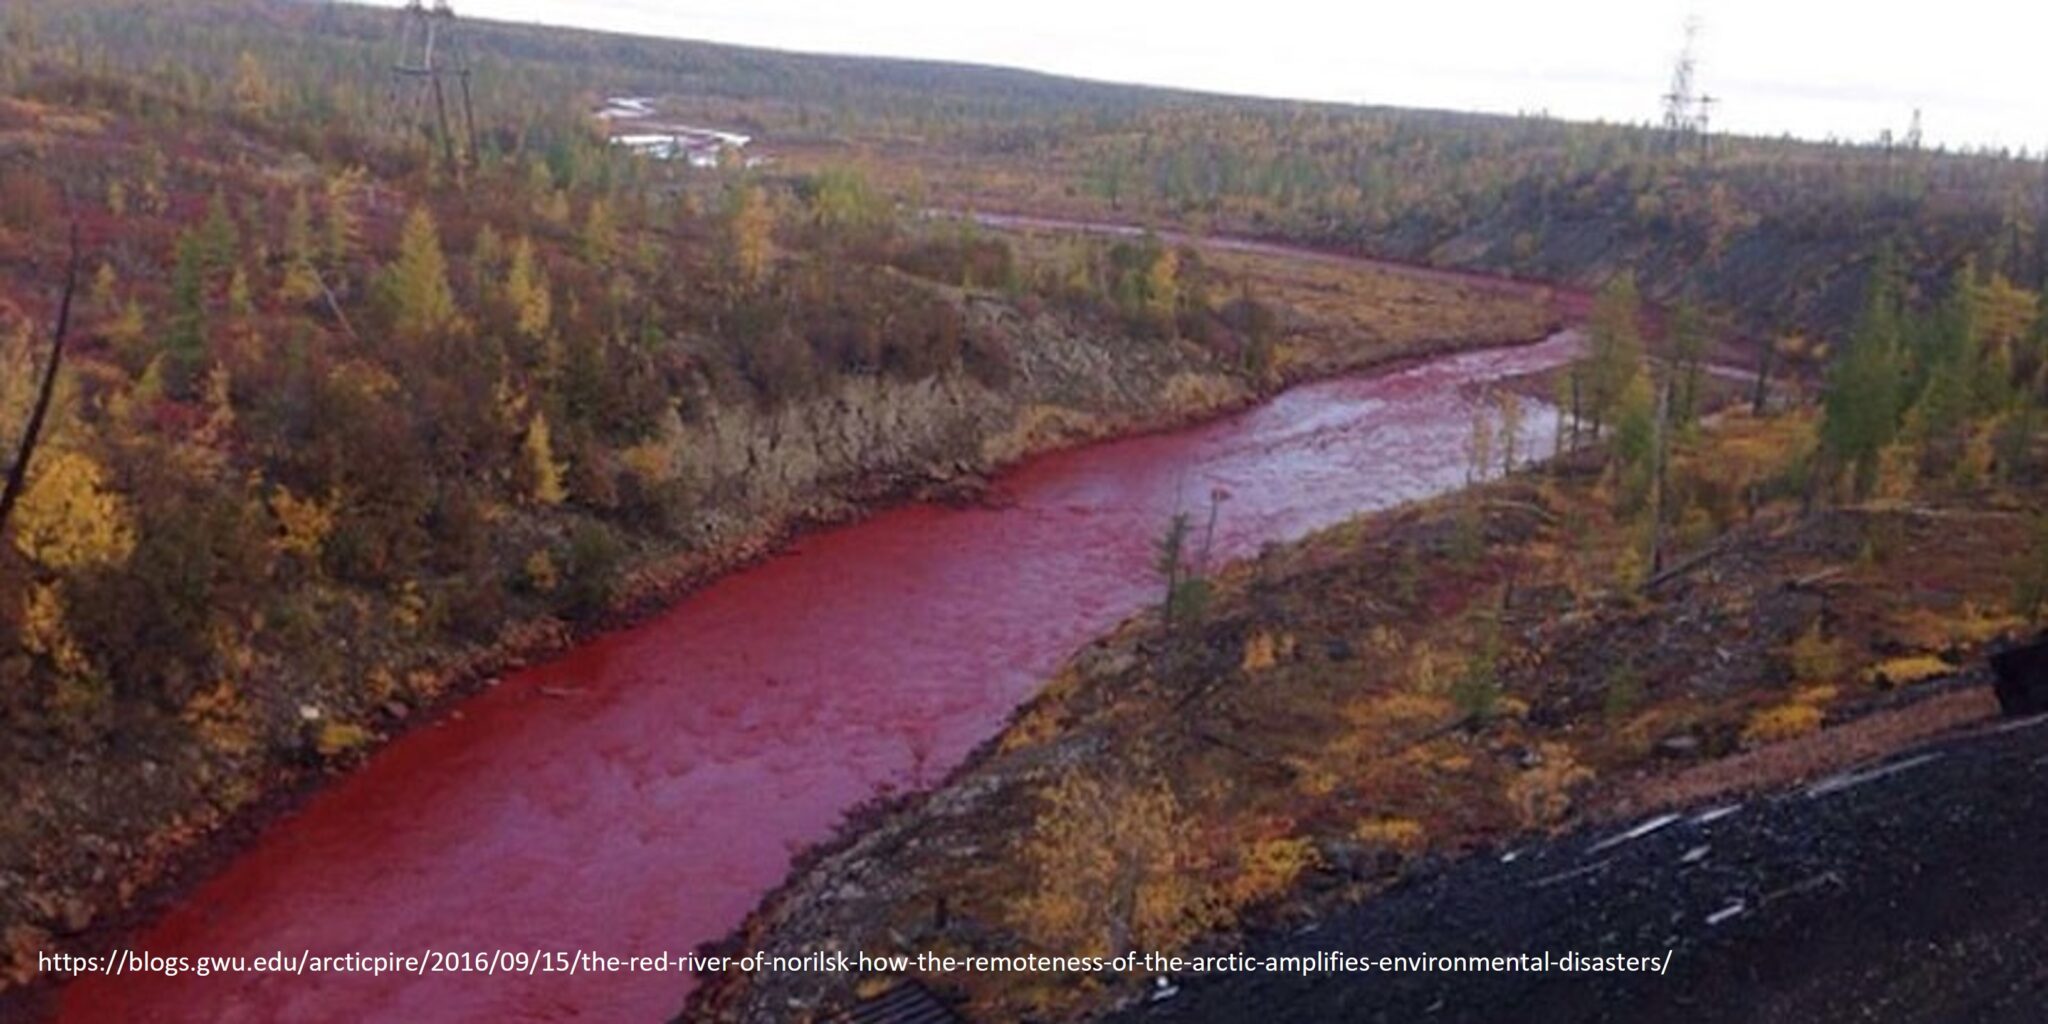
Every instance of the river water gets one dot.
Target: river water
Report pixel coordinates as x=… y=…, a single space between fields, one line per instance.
x=640 y=793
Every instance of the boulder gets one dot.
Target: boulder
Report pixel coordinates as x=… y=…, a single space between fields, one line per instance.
x=2022 y=678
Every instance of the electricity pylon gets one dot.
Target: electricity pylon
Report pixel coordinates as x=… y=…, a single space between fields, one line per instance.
x=430 y=53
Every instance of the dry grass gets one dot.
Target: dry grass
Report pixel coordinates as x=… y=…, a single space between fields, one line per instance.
x=1808 y=757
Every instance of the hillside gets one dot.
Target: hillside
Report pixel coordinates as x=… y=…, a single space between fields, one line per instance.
x=1330 y=729
x=352 y=419
x=1575 y=648
x=341 y=433
x=1777 y=233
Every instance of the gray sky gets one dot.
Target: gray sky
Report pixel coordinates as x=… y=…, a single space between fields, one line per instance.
x=1815 y=68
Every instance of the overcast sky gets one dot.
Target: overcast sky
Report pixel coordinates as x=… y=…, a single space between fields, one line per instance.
x=1815 y=68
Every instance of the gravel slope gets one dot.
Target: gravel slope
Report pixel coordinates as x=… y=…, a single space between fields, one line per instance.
x=1908 y=891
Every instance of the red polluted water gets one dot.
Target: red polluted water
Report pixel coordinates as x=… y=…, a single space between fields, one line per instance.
x=637 y=795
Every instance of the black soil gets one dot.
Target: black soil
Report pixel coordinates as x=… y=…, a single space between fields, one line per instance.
x=1910 y=892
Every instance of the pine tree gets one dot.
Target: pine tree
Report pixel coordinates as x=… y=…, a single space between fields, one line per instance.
x=1860 y=411
x=185 y=352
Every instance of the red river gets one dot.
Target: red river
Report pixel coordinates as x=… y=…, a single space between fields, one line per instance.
x=637 y=795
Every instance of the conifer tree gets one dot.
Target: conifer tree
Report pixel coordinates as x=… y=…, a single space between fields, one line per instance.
x=301 y=279
x=1689 y=352
x=185 y=344
x=417 y=284
x=1860 y=411
x=526 y=288
x=747 y=224
x=1615 y=355
x=544 y=473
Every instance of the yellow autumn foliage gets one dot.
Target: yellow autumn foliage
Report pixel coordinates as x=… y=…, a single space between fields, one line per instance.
x=1268 y=868
x=44 y=631
x=526 y=288
x=68 y=518
x=544 y=471
x=337 y=738
x=303 y=523
x=1906 y=671
x=1398 y=833
x=1542 y=795
x=541 y=573
x=1110 y=865
x=1783 y=722
x=221 y=719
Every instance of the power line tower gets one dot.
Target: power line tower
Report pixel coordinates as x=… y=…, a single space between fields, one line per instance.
x=1686 y=110
x=430 y=53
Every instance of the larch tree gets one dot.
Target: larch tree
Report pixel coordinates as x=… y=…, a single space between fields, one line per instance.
x=1615 y=355
x=1162 y=286
x=600 y=232
x=748 y=223
x=422 y=302
x=301 y=279
x=1510 y=405
x=543 y=473
x=220 y=239
x=344 y=224
x=526 y=289
x=69 y=518
x=252 y=92
x=1689 y=353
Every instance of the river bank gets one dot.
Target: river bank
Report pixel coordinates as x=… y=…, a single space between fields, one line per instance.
x=1412 y=688
x=835 y=482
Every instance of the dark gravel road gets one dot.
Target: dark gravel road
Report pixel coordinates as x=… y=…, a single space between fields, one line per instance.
x=1913 y=890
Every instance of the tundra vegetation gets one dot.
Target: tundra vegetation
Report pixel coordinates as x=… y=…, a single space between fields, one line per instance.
x=340 y=413
x=1689 y=598
x=342 y=426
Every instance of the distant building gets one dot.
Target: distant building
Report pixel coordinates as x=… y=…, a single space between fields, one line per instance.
x=630 y=123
